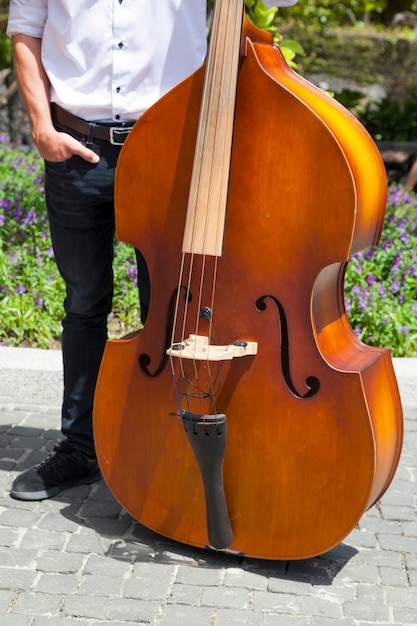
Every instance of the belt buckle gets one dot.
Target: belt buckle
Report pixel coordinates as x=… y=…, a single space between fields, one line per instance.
x=121 y=131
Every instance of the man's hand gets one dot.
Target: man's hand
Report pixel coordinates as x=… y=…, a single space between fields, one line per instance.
x=59 y=146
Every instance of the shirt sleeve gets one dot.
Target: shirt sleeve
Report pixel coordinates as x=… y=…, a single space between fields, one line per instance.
x=27 y=17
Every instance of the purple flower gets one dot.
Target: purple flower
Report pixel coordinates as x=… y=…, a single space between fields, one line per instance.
x=362 y=304
x=30 y=218
x=396 y=264
x=132 y=273
x=395 y=286
x=387 y=245
x=20 y=289
x=5 y=203
x=370 y=254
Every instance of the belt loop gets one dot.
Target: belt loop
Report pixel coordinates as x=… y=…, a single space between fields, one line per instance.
x=90 y=136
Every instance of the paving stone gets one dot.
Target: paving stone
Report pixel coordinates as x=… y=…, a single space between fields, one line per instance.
x=146 y=589
x=23 y=519
x=57 y=583
x=57 y=522
x=225 y=597
x=399 y=597
x=393 y=576
x=7 y=598
x=320 y=606
x=185 y=594
x=62 y=621
x=31 y=603
x=365 y=611
x=236 y=577
x=288 y=585
x=90 y=544
x=18 y=558
x=186 y=616
x=95 y=607
x=16 y=620
x=60 y=562
x=133 y=610
x=399 y=543
x=231 y=617
x=199 y=576
x=11 y=537
x=270 y=619
x=16 y=579
x=43 y=539
x=276 y=602
x=103 y=566
x=405 y=616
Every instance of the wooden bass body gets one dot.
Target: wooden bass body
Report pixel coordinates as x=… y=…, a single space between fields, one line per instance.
x=314 y=424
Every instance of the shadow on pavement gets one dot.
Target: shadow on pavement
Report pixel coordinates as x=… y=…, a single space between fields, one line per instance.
x=92 y=508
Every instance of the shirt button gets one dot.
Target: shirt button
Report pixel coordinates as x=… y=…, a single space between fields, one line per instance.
x=118 y=89
x=117 y=117
x=120 y=44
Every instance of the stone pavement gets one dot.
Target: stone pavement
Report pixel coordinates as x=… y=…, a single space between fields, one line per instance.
x=80 y=559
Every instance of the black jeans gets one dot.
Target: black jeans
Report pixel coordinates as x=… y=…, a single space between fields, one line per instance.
x=79 y=198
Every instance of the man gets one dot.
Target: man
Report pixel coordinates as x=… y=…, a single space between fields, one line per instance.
x=87 y=72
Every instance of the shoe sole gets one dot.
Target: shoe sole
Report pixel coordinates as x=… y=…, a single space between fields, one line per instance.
x=43 y=494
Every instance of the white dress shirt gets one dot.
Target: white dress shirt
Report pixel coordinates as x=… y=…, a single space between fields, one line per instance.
x=112 y=59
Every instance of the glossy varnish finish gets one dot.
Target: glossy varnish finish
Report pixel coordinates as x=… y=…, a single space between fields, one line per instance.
x=314 y=424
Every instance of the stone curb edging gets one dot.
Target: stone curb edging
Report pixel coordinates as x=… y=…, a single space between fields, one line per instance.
x=30 y=375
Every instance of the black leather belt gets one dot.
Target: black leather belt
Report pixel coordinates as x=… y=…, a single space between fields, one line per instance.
x=113 y=133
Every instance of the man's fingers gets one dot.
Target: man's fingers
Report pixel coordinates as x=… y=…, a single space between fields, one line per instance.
x=86 y=153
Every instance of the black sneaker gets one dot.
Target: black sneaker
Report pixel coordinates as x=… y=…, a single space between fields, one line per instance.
x=65 y=467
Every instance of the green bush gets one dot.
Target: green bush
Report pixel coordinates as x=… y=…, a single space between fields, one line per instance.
x=381 y=283
x=325 y=14
x=390 y=121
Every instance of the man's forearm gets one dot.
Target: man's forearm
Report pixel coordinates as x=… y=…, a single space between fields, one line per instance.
x=34 y=88
x=33 y=83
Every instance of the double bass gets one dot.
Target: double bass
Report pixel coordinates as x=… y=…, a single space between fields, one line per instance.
x=245 y=416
